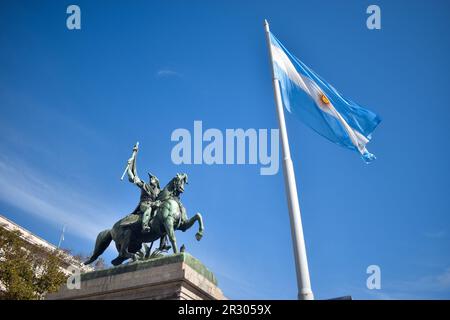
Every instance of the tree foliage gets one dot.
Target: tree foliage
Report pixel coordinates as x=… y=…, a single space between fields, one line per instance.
x=27 y=271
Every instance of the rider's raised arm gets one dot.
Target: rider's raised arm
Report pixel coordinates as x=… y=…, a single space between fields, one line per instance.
x=132 y=172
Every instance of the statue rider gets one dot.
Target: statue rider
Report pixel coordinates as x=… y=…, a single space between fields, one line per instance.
x=149 y=192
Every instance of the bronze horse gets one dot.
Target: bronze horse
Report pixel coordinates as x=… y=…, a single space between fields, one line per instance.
x=170 y=216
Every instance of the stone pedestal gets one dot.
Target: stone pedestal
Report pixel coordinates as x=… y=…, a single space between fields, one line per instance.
x=173 y=277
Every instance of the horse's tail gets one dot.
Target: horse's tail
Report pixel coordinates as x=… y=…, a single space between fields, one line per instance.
x=104 y=238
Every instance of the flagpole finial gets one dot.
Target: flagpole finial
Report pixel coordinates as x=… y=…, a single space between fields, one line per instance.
x=266 y=25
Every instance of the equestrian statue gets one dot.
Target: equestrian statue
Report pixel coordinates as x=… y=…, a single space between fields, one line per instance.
x=156 y=217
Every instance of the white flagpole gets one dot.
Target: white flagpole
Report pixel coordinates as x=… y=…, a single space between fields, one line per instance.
x=61 y=238
x=301 y=262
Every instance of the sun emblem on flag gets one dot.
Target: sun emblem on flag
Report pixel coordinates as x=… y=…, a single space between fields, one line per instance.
x=324 y=99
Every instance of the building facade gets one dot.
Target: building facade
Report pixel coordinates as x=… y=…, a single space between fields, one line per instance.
x=69 y=263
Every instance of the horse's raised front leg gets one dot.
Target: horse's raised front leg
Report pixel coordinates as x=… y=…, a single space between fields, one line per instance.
x=189 y=223
x=168 y=225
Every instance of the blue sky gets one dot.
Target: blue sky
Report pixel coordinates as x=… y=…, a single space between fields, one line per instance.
x=72 y=104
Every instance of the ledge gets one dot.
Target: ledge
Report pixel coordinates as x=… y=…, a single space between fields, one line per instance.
x=156 y=262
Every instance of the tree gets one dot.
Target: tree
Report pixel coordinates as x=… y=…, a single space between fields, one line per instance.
x=27 y=271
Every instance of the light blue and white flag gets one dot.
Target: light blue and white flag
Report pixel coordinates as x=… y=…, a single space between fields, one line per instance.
x=317 y=104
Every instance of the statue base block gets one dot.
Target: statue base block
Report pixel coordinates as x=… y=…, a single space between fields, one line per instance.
x=173 y=277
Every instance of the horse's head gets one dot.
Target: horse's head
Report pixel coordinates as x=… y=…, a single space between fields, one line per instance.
x=176 y=185
x=180 y=180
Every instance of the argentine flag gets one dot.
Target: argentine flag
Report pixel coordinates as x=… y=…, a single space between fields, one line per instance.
x=317 y=104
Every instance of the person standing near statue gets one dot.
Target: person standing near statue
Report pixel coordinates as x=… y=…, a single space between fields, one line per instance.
x=148 y=202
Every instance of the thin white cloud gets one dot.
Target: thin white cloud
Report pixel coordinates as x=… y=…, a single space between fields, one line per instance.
x=167 y=73
x=25 y=188
x=428 y=283
x=435 y=234
x=425 y=287
x=237 y=287
x=443 y=279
